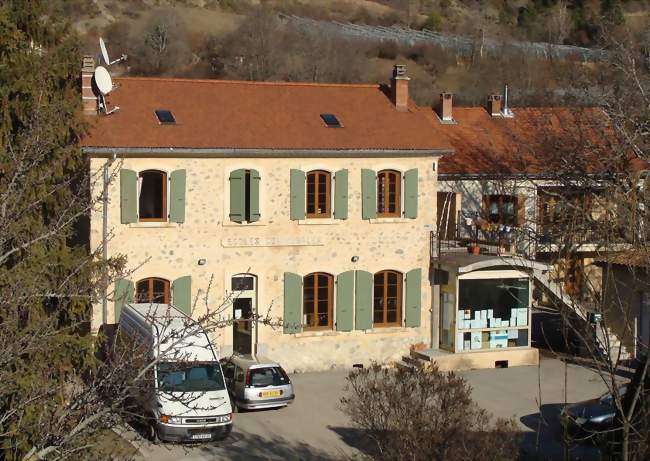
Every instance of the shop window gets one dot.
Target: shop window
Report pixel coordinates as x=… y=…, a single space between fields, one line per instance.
x=501 y=209
x=317 y=301
x=152 y=290
x=387 y=298
x=152 y=199
x=389 y=193
x=318 y=194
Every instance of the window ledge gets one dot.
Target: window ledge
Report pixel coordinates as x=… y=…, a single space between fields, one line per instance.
x=315 y=334
x=229 y=223
x=380 y=330
x=319 y=221
x=154 y=224
x=390 y=220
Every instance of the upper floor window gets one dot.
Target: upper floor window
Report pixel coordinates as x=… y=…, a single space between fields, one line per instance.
x=152 y=195
x=152 y=290
x=318 y=289
x=389 y=193
x=501 y=209
x=318 y=194
x=387 y=298
x=244 y=195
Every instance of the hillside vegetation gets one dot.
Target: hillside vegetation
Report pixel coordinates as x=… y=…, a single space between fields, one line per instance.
x=246 y=39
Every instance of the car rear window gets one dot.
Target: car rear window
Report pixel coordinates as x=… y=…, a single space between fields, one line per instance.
x=270 y=376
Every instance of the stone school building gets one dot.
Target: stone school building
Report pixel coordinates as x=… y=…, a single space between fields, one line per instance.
x=314 y=202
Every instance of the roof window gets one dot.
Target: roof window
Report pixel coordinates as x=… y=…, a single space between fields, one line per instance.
x=165 y=117
x=331 y=121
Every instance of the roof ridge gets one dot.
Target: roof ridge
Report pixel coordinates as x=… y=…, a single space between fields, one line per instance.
x=249 y=82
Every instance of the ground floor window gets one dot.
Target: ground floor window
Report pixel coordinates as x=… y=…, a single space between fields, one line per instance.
x=318 y=301
x=387 y=298
x=152 y=290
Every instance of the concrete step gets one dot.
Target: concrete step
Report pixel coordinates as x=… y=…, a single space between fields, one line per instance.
x=412 y=360
x=419 y=355
x=403 y=365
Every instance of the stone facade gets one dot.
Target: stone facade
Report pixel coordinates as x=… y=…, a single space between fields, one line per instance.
x=273 y=245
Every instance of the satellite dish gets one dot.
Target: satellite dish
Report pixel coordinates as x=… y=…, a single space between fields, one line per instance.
x=103 y=80
x=105 y=57
x=102 y=47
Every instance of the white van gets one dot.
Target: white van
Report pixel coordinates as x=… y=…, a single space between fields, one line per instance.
x=188 y=399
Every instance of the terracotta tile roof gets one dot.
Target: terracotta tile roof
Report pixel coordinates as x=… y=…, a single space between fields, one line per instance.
x=534 y=141
x=258 y=115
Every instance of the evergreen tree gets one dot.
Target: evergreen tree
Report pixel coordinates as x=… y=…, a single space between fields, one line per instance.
x=45 y=269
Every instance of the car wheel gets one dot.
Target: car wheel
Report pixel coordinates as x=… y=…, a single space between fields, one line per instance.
x=223 y=436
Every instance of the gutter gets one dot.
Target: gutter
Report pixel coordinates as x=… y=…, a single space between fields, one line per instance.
x=169 y=152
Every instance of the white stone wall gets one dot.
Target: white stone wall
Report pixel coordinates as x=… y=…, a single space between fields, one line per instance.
x=274 y=245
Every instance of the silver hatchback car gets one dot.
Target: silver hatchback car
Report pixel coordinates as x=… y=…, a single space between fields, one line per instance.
x=254 y=383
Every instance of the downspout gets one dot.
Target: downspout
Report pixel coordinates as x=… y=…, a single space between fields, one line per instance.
x=105 y=237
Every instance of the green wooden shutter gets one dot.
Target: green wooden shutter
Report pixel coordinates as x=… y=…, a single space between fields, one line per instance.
x=411 y=194
x=124 y=291
x=182 y=294
x=237 y=195
x=341 y=194
x=413 y=297
x=368 y=194
x=292 y=303
x=254 y=196
x=128 y=196
x=344 y=301
x=297 y=199
x=177 y=196
x=363 y=300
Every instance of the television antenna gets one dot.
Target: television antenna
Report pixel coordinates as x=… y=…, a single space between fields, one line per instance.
x=104 y=84
x=105 y=57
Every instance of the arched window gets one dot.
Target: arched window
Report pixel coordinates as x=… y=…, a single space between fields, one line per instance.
x=387 y=298
x=318 y=301
x=152 y=290
x=318 y=194
x=389 y=193
x=152 y=199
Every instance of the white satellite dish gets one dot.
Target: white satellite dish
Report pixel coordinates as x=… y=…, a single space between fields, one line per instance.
x=103 y=80
x=102 y=47
x=105 y=57
x=104 y=84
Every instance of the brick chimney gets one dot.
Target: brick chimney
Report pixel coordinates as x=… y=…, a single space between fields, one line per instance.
x=88 y=97
x=399 y=88
x=494 y=105
x=445 y=107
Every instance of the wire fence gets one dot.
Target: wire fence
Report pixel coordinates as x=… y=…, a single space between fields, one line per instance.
x=461 y=45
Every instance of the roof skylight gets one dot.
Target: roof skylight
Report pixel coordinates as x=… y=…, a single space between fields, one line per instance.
x=331 y=121
x=165 y=117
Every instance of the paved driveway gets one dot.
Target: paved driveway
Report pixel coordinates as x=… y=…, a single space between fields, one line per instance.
x=314 y=427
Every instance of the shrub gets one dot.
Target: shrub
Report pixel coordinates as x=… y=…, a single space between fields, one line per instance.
x=424 y=414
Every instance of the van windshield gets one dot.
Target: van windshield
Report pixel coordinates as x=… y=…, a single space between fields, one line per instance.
x=190 y=377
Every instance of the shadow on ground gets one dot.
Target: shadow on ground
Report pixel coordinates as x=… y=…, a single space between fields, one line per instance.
x=356 y=438
x=545 y=442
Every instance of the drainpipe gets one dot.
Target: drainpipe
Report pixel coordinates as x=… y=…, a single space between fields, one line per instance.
x=105 y=237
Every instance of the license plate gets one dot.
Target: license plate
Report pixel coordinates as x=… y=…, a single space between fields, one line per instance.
x=271 y=393
x=201 y=436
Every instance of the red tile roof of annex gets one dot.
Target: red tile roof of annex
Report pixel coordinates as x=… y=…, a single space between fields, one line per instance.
x=258 y=115
x=535 y=141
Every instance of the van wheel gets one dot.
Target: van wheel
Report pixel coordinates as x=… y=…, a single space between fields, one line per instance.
x=152 y=433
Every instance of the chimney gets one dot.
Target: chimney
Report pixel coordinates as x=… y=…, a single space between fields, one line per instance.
x=88 y=97
x=494 y=105
x=445 y=107
x=399 y=86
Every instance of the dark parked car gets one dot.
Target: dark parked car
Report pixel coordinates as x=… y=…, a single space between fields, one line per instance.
x=590 y=417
